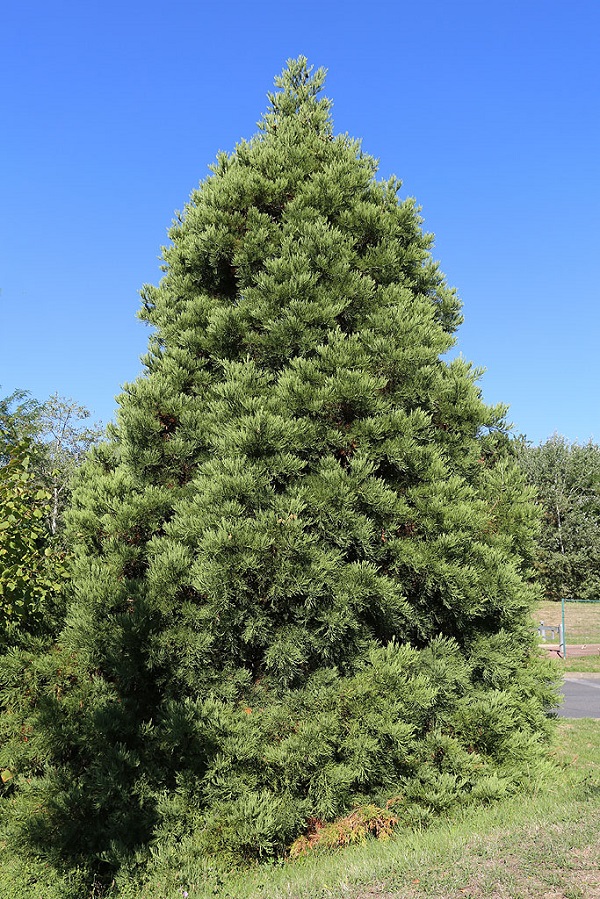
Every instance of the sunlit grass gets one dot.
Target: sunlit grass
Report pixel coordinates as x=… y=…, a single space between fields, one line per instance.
x=584 y=665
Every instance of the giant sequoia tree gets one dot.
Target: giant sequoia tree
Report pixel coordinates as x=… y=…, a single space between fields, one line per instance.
x=302 y=557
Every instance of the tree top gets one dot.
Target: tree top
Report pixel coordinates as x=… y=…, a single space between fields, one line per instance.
x=300 y=87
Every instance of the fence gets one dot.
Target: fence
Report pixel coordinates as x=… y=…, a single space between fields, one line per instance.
x=571 y=627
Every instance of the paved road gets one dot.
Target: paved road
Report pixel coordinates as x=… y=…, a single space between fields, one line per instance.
x=582 y=698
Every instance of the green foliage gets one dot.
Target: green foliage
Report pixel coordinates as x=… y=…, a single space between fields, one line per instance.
x=41 y=447
x=301 y=561
x=19 y=422
x=551 y=830
x=566 y=480
x=58 y=439
x=65 y=439
x=32 y=572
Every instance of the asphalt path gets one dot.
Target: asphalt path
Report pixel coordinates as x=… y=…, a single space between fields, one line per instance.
x=582 y=698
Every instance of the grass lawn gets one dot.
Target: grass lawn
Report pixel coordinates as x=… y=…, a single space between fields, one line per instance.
x=590 y=665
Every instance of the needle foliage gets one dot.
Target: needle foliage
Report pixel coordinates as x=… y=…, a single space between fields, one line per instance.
x=301 y=576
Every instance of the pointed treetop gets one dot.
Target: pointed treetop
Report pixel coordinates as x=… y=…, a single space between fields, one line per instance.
x=298 y=97
x=298 y=79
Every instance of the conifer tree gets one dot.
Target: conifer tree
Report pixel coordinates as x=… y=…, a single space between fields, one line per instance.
x=302 y=558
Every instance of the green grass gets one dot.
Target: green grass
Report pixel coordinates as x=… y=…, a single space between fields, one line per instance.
x=582 y=664
x=539 y=845
x=588 y=664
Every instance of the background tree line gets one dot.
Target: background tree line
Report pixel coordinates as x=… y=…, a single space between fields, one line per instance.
x=41 y=448
x=566 y=480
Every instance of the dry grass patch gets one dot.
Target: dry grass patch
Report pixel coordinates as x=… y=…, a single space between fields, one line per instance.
x=534 y=863
x=582 y=619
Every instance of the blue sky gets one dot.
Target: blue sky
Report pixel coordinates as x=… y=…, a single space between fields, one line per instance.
x=488 y=111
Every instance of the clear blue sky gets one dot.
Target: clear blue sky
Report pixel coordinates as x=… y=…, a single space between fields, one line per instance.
x=488 y=110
